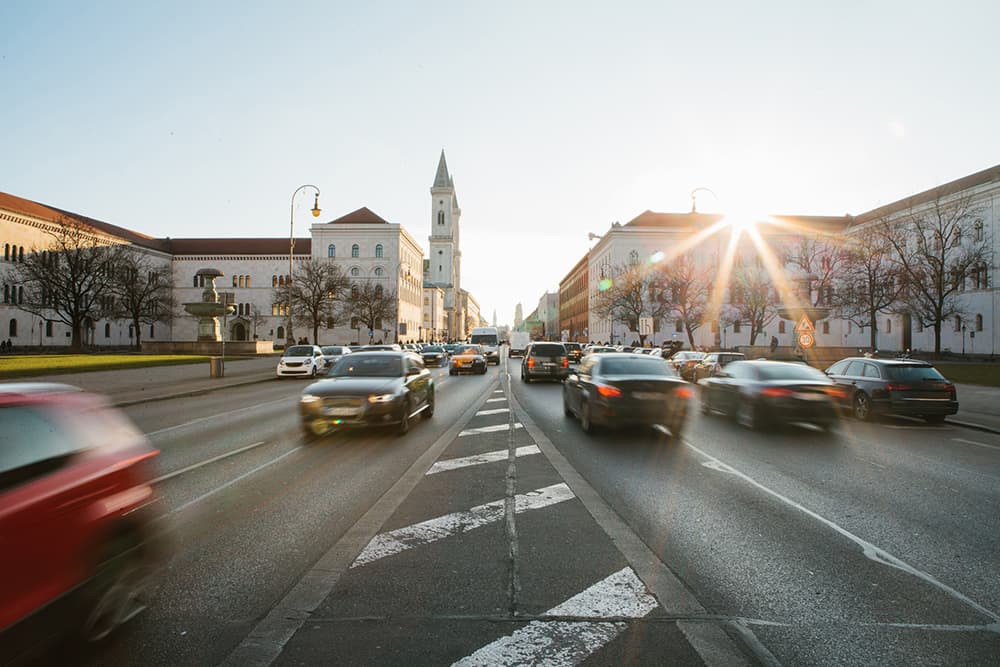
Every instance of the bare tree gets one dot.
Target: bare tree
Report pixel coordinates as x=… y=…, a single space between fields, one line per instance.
x=319 y=294
x=868 y=283
x=257 y=319
x=372 y=305
x=820 y=259
x=633 y=292
x=688 y=289
x=71 y=279
x=141 y=295
x=935 y=248
x=752 y=298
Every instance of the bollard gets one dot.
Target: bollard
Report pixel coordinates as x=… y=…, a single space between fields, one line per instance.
x=215 y=367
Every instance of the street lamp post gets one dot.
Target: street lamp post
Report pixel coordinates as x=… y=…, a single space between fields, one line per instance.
x=963 y=340
x=291 y=249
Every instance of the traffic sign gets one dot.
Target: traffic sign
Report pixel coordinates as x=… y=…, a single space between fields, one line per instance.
x=805 y=325
x=806 y=340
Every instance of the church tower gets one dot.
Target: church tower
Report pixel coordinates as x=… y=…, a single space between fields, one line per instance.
x=445 y=260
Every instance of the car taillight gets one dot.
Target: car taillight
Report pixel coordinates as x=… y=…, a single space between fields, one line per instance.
x=684 y=392
x=951 y=390
x=565 y=363
x=531 y=362
x=836 y=392
x=607 y=391
x=776 y=392
x=897 y=386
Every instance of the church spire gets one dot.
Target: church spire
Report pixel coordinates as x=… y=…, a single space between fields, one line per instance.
x=442 y=179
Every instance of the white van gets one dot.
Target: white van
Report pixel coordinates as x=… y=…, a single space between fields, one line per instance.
x=489 y=338
x=518 y=343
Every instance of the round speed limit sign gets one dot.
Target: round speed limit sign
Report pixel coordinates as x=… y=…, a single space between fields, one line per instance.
x=806 y=340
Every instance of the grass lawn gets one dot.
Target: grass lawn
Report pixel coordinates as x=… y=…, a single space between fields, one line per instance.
x=986 y=374
x=17 y=366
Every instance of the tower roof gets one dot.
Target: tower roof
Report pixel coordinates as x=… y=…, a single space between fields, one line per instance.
x=442 y=179
x=363 y=214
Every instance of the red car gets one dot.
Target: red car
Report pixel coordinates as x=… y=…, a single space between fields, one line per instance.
x=75 y=505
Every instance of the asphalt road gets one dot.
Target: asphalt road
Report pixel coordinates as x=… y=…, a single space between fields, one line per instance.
x=877 y=544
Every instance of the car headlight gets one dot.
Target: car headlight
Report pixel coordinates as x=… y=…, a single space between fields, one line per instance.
x=309 y=399
x=382 y=398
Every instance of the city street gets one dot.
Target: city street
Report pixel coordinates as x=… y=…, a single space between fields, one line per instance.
x=876 y=544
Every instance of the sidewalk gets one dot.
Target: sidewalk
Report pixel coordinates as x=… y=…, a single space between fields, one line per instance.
x=978 y=407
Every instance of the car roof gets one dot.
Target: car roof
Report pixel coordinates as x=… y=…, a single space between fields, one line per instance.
x=889 y=362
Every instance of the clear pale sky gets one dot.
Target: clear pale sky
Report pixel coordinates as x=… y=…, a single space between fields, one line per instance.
x=189 y=119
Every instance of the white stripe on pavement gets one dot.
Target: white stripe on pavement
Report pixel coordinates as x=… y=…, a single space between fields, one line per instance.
x=489 y=429
x=494 y=411
x=622 y=595
x=973 y=442
x=496 y=400
x=432 y=530
x=488 y=457
x=498 y=391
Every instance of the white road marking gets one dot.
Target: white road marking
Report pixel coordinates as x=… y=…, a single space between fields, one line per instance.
x=495 y=400
x=870 y=551
x=232 y=481
x=488 y=457
x=489 y=429
x=432 y=530
x=211 y=417
x=163 y=478
x=498 y=391
x=977 y=444
x=622 y=595
x=494 y=411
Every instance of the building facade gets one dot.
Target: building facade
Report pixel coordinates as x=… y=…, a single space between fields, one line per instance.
x=573 y=303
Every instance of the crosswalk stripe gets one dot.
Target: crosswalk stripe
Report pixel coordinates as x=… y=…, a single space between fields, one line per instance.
x=488 y=457
x=494 y=411
x=622 y=595
x=489 y=429
x=498 y=391
x=496 y=400
x=432 y=530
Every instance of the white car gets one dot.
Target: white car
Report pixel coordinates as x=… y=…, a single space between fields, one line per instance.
x=301 y=361
x=333 y=353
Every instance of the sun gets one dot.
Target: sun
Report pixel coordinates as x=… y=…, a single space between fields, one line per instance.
x=743 y=222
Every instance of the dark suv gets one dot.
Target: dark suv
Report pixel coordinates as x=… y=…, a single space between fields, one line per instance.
x=545 y=360
x=894 y=386
x=574 y=351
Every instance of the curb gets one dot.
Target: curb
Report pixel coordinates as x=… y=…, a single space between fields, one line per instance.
x=973 y=426
x=191 y=392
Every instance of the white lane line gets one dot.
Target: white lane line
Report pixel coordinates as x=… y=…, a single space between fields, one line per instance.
x=494 y=411
x=498 y=391
x=432 y=530
x=973 y=442
x=211 y=417
x=870 y=551
x=622 y=595
x=488 y=457
x=232 y=481
x=193 y=466
x=489 y=429
x=495 y=400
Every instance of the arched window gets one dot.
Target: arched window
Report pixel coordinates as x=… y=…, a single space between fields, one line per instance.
x=440 y=217
x=354 y=291
x=888 y=325
x=378 y=292
x=274 y=281
x=781 y=326
x=235 y=281
x=979 y=322
x=281 y=333
x=6 y=293
x=288 y=279
x=958 y=323
x=378 y=270
x=107 y=330
x=331 y=250
x=195 y=284
x=20 y=254
x=6 y=252
x=355 y=271
x=633 y=257
x=20 y=294
x=378 y=250
x=330 y=323
x=355 y=323
x=246 y=283
x=355 y=250
x=48 y=328
x=12 y=327
x=281 y=281
x=151 y=330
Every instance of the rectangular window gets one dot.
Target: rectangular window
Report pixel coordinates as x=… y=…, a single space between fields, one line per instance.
x=736 y=327
x=826 y=327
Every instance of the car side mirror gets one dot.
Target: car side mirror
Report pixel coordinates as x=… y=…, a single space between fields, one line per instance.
x=413 y=371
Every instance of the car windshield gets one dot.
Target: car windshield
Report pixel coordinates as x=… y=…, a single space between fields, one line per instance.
x=335 y=349
x=432 y=348
x=360 y=364
x=299 y=351
x=468 y=349
x=547 y=350
x=915 y=373
x=626 y=365
x=789 y=372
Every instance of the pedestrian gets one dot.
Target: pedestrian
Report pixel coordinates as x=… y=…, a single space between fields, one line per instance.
x=3 y=347
x=774 y=344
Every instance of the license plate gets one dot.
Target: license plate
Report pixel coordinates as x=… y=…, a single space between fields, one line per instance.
x=812 y=397
x=341 y=412
x=648 y=396
x=549 y=364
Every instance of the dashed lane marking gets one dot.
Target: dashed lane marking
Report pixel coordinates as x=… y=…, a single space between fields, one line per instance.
x=622 y=595
x=498 y=391
x=432 y=530
x=489 y=429
x=973 y=442
x=495 y=400
x=488 y=457
x=494 y=411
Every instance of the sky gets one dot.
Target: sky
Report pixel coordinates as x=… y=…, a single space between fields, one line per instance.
x=199 y=119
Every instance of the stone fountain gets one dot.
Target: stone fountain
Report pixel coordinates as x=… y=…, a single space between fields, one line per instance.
x=208 y=309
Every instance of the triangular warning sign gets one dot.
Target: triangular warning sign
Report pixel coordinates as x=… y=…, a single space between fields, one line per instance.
x=805 y=325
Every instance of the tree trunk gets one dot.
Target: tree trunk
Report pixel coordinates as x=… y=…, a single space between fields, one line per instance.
x=873 y=334
x=937 y=338
x=76 y=342
x=138 y=335
x=690 y=337
x=315 y=334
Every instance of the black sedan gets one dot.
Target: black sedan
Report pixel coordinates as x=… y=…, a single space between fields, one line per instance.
x=434 y=355
x=894 y=386
x=759 y=394
x=368 y=389
x=616 y=389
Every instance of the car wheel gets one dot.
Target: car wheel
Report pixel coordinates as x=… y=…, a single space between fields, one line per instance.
x=585 y=422
x=862 y=406
x=429 y=410
x=934 y=419
x=404 y=420
x=117 y=591
x=746 y=415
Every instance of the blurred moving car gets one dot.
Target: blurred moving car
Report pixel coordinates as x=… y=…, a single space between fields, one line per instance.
x=597 y=349
x=434 y=355
x=574 y=351
x=894 y=386
x=386 y=347
x=333 y=353
x=759 y=394
x=467 y=359
x=545 y=360
x=76 y=505
x=368 y=389
x=301 y=361
x=684 y=362
x=626 y=389
x=713 y=362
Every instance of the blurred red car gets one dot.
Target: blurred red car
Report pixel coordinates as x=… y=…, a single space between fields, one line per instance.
x=76 y=502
